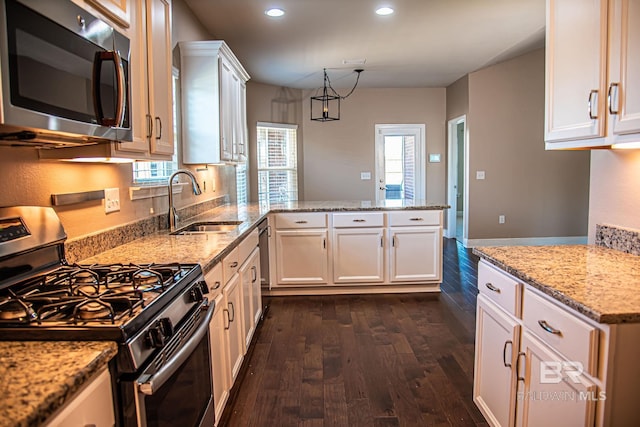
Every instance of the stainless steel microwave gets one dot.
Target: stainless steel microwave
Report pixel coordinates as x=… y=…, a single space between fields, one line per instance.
x=65 y=76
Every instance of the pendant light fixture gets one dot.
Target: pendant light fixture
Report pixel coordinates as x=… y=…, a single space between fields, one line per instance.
x=326 y=107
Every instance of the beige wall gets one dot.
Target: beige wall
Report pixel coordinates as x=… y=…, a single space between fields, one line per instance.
x=541 y=193
x=274 y=104
x=614 y=195
x=458 y=98
x=26 y=180
x=336 y=152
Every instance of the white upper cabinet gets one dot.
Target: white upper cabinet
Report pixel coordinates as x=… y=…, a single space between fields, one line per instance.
x=151 y=81
x=592 y=73
x=214 y=121
x=575 y=70
x=624 y=69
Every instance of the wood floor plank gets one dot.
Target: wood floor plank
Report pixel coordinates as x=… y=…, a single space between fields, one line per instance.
x=365 y=360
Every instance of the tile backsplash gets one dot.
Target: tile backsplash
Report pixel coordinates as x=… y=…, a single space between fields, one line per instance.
x=618 y=238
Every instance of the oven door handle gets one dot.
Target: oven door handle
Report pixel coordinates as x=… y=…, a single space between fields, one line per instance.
x=153 y=384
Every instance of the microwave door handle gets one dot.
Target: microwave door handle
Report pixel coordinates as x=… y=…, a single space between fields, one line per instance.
x=99 y=58
x=153 y=384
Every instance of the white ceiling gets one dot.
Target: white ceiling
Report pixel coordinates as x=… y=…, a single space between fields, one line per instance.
x=425 y=43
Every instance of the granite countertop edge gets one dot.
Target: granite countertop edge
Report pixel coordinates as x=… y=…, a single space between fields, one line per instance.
x=31 y=396
x=558 y=295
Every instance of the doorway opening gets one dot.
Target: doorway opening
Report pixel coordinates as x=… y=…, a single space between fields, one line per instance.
x=400 y=162
x=457 y=215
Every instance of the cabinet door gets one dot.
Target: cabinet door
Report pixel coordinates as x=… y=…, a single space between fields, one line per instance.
x=93 y=405
x=235 y=337
x=416 y=254
x=226 y=110
x=160 y=75
x=246 y=276
x=624 y=69
x=301 y=257
x=139 y=90
x=554 y=393
x=221 y=372
x=241 y=138
x=119 y=11
x=494 y=380
x=256 y=287
x=358 y=255
x=576 y=35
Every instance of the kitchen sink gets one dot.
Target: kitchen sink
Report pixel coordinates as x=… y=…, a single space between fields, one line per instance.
x=209 y=227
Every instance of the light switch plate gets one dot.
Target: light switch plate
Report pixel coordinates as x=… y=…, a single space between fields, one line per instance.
x=479 y=174
x=365 y=176
x=111 y=200
x=434 y=158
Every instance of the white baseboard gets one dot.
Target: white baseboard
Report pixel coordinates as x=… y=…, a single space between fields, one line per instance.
x=526 y=241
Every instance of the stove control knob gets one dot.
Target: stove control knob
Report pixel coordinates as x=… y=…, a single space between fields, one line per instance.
x=166 y=326
x=196 y=294
x=204 y=287
x=155 y=336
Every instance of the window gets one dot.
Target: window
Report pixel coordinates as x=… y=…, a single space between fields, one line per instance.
x=159 y=172
x=241 y=184
x=277 y=162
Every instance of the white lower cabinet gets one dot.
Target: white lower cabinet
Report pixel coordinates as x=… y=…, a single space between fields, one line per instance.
x=91 y=406
x=220 y=370
x=358 y=255
x=249 y=276
x=301 y=257
x=234 y=328
x=554 y=390
x=497 y=343
x=416 y=254
x=540 y=363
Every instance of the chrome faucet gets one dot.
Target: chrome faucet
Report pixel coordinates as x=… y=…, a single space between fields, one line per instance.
x=173 y=214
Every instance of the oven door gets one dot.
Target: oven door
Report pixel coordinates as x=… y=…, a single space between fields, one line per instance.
x=176 y=389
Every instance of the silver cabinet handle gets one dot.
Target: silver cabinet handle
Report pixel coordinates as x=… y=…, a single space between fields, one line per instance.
x=301 y=222
x=416 y=219
x=382 y=242
x=544 y=325
x=520 y=354
x=359 y=220
x=393 y=241
x=324 y=243
x=216 y=285
x=504 y=353
x=234 y=264
x=492 y=288
x=233 y=312
x=610 y=97
x=254 y=273
x=590 y=104
x=149 y=126
x=228 y=319
x=159 y=122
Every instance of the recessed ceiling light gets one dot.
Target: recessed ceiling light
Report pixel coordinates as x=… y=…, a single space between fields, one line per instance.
x=274 y=12
x=383 y=11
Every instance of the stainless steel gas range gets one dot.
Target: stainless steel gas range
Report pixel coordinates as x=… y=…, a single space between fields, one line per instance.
x=157 y=313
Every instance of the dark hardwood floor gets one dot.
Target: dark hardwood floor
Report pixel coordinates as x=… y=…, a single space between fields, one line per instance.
x=365 y=360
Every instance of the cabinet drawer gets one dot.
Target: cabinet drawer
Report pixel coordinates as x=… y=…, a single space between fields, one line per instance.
x=301 y=220
x=230 y=265
x=247 y=246
x=414 y=218
x=214 y=281
x=575 y=339
x=500 y=288
x=358 y=219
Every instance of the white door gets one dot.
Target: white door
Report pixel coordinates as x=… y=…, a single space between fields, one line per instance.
x=400 y=162
x=301 y=257
x=234 y=329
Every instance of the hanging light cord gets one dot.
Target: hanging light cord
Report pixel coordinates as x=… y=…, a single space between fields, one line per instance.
x=326 y=76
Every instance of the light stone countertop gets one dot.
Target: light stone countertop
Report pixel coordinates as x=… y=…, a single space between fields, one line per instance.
x=601 y=283
x=208 y=249
x=37 y=377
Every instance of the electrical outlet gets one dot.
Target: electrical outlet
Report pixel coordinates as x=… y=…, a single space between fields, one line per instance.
x=111 y=200
x=501 y=219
